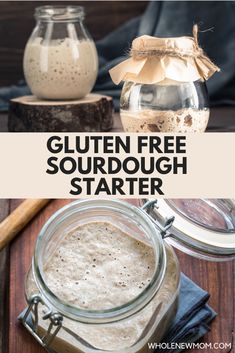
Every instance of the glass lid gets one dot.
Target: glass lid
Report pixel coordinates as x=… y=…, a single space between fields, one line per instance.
x=204 y=228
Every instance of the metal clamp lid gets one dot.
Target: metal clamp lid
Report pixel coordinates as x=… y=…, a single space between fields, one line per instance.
x=164 y=229
x=55 y=318
x=56 y=322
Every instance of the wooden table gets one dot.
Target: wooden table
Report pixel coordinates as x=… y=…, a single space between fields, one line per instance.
x=217 y=278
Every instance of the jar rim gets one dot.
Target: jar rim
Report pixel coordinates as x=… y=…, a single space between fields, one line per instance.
x=194 y=237
x=227 y=228
x=112 y=314
x=59 y=13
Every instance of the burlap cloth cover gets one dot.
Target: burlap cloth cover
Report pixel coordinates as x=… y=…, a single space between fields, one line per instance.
x=155 y=59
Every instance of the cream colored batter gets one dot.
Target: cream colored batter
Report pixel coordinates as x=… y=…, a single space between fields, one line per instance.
x=99 y=266
x=61 y=69
x=99 y=258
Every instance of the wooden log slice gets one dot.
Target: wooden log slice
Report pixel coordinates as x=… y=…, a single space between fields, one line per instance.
x=94 y=113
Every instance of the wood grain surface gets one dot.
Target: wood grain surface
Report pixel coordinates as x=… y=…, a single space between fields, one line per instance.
x=17 y=220
x=217 y=278
x=17 y=22
x=4 y=282
x=92 y=113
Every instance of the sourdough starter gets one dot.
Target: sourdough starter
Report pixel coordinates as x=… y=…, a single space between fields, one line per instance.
x=61 y=69
x=99 y=258
x=98 y=266
x=183 y=120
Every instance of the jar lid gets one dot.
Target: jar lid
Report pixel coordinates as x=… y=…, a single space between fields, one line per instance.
x=204 y=228
x=154 y=60
x=149 y=46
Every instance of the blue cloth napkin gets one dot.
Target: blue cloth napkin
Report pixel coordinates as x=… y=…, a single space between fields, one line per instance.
x=192 y=319
x=7 y=93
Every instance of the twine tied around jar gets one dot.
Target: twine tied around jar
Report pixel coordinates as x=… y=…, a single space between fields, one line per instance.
x=175 y=52
x=154 y=59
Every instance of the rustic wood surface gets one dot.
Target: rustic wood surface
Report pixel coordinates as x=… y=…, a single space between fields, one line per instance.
x=4 y=283
x=18 y=219
x=17 y=22
x=94 y=113
x=216 y=278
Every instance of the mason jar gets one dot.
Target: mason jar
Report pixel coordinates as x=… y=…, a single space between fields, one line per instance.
x=58 y=315
x=56 y=322
x=164 y=85
x=60 y=58
x=167 y=106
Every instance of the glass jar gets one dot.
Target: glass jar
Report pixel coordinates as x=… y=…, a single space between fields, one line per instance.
x=204 y=228
x=164 y=85
x=60 y=58
x=167 y=106
x=61 y=325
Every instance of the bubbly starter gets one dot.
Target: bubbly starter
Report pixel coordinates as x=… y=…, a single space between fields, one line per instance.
x=99 y=258
x=99 y=266
x=61 y=69
x=183 y=120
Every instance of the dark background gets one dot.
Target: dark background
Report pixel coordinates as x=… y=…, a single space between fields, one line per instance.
x=17 y=23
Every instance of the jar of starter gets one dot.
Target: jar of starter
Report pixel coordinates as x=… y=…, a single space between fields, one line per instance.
x=60 y=58
x=164 y=85
x=104 y=276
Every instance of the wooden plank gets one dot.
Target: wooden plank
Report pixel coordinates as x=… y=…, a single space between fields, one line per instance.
x=21 y=255
x=233 y=349
x=17 y=20
x=217 y=278
x=117 y=126
x=4 y=280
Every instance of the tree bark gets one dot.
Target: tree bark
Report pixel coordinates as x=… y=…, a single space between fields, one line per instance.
x=94 y=113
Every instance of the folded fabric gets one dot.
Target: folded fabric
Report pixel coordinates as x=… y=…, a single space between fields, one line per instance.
x=192 y=319
x=7 y=93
